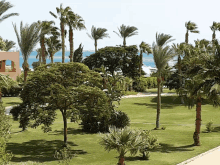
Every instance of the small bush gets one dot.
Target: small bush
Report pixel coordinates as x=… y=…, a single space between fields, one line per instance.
x=119 y=119
x=209 y=127
x=163 y=128
x=64 y=155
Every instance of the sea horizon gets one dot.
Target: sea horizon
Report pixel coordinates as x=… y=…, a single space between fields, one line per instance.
x=147 y=59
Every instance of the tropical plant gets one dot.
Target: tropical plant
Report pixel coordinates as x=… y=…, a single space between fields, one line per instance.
x=190 y=27
x=144 y=48
x=39 y=55
x=97 y=34
x=9 y=45
x=63 y=14
x=4 y=6
x=27 y=40
x=75 y=22
x=161 y=54
x=46 y=29
x=78 y=54
x=126 y=31
x=122 y=140
x=215 y=26
x=2 y=44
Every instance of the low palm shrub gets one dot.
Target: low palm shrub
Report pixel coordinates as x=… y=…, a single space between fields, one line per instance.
x=209 y=127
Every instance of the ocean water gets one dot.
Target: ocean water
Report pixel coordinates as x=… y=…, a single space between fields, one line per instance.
x=147 y=59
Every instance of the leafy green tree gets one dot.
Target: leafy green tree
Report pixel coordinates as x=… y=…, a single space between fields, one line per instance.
x=63 y=14
x=78 y=54
x=4 y=6
x=126 y=31
x=162 y=53
x=27 y=40
x=46 y=29
x=2 y=44
x=97 y=34
x=75 y=22
x=69 y=87
x=190 y=27
x=123 y=141
x=144 y=48
x=215 y=27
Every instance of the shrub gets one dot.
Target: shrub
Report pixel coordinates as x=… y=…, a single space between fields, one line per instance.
x=163 y=128
x=209 y=127
x=63 y=155
x=140 y=84
x=119 y=119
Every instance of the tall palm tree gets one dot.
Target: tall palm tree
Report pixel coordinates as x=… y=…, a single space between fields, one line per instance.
x=190 y=27
x=75 y=22
x=54 y=45
x=46 y=29
x=144 y=48
x=97 y=34
x=4 y=6
x=39 y=55
x=161 y=54
x=215 y=26
x=126 y=31
x=27 y=40
x=63 y=14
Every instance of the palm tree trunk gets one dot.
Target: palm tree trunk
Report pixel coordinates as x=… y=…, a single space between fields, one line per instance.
x=71 y=43
x=25 y=68
x=0 y=94
x=95 y=46
x=43 y=49
x=198 y=122
x=63 y=42
x=186 y=37
x=158 y=102
x=52 y=58
x=180 y=78
x=124 y=42
x=65 y=127
x=213 y=36
x=141 y=58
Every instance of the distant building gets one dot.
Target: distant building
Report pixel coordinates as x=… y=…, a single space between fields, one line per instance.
x=148 y=70
x=13 y=71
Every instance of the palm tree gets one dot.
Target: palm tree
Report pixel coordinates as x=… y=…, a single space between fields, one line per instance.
x=46 y=29
x=126 y=31
x=9 y=45
x=215 y=26
x=27 y=40
x=161 y=54
x=39 y=55
x=190 y=27
x=54 y=45
x=4 y=6
x=144 y=48
x=77 y=23
x=63 y=14
x=122 y=140
x=97 y=34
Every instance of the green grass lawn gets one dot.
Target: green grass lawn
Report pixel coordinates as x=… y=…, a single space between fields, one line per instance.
x=9 y=101
x=176 y=141
x=165 y=90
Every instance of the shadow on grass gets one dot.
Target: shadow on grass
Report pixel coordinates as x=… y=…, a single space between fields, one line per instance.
x=37 y=150
x=71 y=131
x=12 y=103
x=167 y=148
x=216 y=129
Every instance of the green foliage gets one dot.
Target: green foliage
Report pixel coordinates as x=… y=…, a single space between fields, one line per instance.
x=209 y=127
x=78 y=54
x=13 y=92
x=5 y=157
x=64 y=155
x=119 y=119
x=125 y=59
x=163 y=128
x=142 y=83
x=149 y=142
x=122 y=140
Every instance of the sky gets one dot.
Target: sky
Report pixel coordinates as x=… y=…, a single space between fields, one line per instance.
x=149 y=16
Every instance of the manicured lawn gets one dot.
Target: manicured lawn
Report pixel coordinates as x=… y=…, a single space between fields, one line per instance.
x=176 y=141
x=165 y=90
x=9 y=101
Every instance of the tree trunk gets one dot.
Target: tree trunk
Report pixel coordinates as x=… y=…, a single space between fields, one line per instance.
x=158 y=102
x=52 y=58
x=186 y=37
x=213 y=36
x=71 y=43
x=95 y=46
x=121 y=161
x=124 y=42
x=140 y=65
x=180 y=78
x=0 y=94
x=65 y=127
x=42 y=40
x=198 y=122
x=63 y=42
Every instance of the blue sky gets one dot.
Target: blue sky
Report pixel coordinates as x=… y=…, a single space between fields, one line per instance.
x=162 y=16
